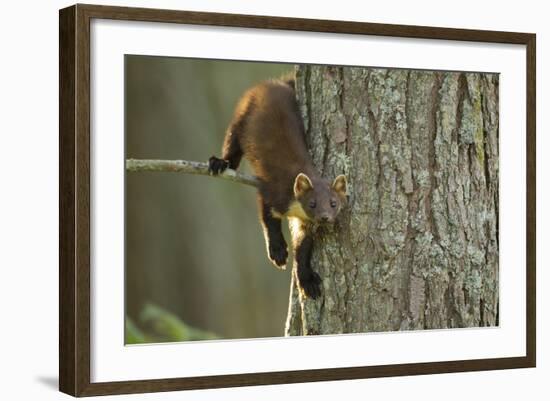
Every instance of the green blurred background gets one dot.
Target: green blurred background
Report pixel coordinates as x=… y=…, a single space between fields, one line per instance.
x=196 y=266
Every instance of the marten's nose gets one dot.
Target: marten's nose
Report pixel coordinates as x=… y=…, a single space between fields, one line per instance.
x=325 y=219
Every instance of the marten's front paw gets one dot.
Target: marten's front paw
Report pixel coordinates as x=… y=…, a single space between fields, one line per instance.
x=310 y=284
x=217 y=166
x=278 y=254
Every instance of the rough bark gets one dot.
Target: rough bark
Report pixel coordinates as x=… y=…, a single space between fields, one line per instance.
x=417 y=245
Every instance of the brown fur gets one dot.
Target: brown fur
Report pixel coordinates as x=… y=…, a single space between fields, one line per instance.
x=273 y=142
x=268 y=126
x=267 y=129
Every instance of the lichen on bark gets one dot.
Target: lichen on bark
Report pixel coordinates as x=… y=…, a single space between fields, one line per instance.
x=417 y=245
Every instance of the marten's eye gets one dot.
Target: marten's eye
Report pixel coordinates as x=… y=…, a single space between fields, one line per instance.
x=332 y=203
x=312 y=204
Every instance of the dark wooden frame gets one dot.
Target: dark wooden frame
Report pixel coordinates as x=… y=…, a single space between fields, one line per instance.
x=74 y=199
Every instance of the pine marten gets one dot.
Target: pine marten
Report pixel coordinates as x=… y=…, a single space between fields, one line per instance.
x=267 y=129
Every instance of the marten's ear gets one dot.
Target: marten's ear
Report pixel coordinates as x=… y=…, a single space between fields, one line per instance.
x=302 y=184
x=340 y=185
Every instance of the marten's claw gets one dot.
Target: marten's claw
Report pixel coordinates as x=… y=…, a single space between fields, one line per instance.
x=217 y=166
x=278 y=254
x=311 y=285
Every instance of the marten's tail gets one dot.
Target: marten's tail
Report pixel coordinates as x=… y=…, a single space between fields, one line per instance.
x=290 y=79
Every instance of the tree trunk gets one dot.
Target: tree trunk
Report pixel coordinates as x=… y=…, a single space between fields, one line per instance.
x=417 y=245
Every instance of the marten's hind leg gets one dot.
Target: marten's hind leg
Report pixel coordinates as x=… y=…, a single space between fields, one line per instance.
x=274 y=240
x=231 y=150
x=231 y=155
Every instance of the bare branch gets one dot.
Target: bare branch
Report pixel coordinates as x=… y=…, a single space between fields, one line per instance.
x=187 y=167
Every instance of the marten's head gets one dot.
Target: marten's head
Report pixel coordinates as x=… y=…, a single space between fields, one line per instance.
x=319 y=199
